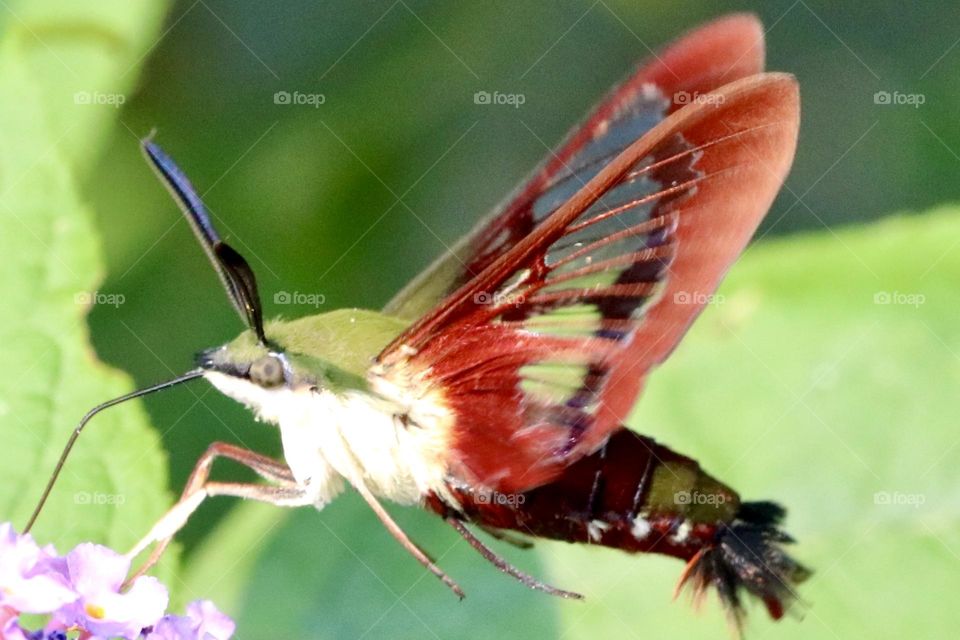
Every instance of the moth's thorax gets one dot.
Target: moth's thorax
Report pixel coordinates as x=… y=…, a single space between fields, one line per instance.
x=329 y=436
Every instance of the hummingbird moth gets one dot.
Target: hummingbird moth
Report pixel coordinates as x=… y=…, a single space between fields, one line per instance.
x=492 y=390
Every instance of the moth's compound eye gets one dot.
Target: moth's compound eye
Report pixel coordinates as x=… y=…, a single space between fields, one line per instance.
x=267 y=372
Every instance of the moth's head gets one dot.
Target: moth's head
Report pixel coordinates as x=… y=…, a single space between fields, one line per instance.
x=251 y=357
x=256 y=373
x=268 y=363
x=264 y=358
x=322 y=351
x=246 y=358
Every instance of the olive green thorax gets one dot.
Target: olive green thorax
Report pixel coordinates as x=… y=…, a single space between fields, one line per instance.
x=336 y=347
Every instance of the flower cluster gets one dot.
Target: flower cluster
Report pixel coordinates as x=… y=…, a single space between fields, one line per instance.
x=82 y=592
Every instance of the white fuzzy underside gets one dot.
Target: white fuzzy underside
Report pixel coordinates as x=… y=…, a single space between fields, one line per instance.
x=329 y=437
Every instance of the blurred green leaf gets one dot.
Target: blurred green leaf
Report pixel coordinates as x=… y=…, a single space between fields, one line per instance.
x=835 y=396
x=82 y=59
x=114 y=485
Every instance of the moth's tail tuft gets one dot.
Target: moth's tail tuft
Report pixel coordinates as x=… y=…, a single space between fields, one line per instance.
x=748 y=556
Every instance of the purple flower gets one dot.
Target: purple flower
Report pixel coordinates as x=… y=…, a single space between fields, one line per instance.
x=28 y=582
x=82 y=592
x=96 y=574
x=202 y=622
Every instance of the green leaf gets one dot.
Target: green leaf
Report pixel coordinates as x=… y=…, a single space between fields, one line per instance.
x=114 y=485
x=82 y=59
x=823 y=376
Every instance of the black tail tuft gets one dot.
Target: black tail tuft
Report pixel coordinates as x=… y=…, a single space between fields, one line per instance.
x=748 y=555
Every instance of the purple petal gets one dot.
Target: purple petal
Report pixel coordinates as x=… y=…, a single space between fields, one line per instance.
x=109 y=614
x=94 y=568
x=39 y=594
x=202 y=622
x=27 y=582
x=209 y=620
x=173 y=628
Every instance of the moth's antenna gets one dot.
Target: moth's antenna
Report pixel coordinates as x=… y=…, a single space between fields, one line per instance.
x=235 y=273
x=196 y=373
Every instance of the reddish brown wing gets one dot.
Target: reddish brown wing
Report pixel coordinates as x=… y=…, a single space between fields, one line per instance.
x=723 y=51
x=543 y=353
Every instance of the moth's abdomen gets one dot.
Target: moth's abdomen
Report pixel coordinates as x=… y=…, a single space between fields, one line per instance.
x=632 y=494
x=636 y=495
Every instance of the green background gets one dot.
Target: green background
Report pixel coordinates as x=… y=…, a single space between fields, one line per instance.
x=799 y=387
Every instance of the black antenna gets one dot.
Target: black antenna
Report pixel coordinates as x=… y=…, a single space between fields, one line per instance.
x=191 y=375
x=234 y=271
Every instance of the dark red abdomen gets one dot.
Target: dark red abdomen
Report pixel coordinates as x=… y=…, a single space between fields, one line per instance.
x=632 y=494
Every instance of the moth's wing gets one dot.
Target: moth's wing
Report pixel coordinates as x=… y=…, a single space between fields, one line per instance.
x=722 y=51
x=536 y=360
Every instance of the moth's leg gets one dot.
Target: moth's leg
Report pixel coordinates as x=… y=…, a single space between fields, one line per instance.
x=505 y=536
x=285 y=491
x=402 y=538
x=491 y=556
